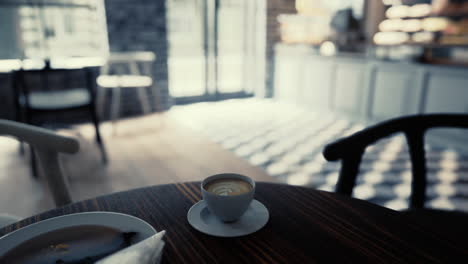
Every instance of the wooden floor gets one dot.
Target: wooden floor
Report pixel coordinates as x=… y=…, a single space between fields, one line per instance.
x=145 y=151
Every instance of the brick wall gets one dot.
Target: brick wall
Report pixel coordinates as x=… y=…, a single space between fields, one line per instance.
x=274 y=8
x=140 y=25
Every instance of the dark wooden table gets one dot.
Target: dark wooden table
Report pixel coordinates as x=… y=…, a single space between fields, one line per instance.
x=305 y=226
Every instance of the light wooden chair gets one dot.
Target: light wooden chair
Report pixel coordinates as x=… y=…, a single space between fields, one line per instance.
x=127 y=70
x=47 y=146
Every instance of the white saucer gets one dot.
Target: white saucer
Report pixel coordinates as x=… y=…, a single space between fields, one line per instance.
x=200 y=218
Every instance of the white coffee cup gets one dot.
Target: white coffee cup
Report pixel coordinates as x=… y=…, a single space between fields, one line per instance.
x=229 y=201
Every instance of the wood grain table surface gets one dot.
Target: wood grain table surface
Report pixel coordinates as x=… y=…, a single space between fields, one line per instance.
x=305 y=226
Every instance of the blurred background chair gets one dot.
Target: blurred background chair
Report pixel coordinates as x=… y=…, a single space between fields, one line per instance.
x=127 y=70
x=47 y=145
x=37 y=103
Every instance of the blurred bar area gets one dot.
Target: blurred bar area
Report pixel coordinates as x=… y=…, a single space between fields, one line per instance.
x=403 y=30
x=373 y=60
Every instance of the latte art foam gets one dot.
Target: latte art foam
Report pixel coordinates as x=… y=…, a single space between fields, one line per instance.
x=228 y=187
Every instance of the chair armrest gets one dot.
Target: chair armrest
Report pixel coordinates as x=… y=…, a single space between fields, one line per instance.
x=360 y=140
x=39 y=137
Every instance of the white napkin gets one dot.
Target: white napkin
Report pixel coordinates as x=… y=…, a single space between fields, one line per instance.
x=148 y=251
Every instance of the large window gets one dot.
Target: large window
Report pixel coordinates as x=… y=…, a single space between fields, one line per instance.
x=52 y=29
x=216 y=48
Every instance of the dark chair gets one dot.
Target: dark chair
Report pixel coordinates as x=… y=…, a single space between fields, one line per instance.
x=350 y=149
x=40 y=99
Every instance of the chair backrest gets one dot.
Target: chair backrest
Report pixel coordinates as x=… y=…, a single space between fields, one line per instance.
x=47 y=145
x=48 y=79
x=350 y=149
x=133 y=63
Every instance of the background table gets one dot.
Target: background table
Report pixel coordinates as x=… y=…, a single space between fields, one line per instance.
x=305 y=226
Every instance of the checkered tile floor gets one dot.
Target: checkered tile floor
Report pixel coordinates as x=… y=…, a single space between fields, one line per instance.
x=287 y=141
